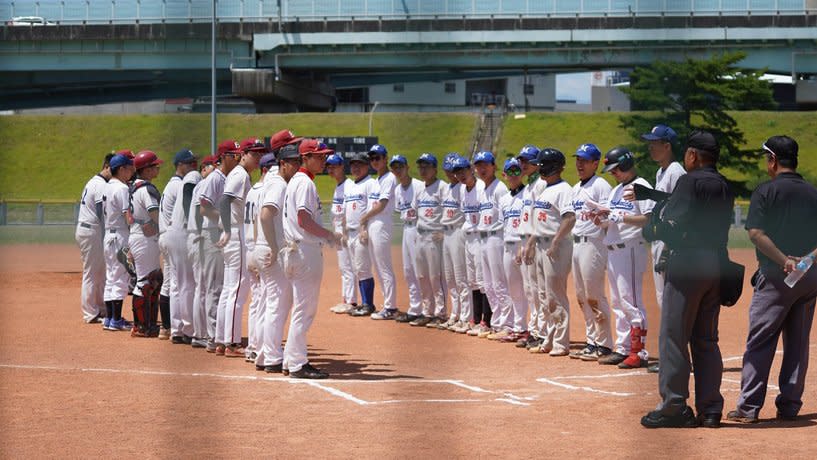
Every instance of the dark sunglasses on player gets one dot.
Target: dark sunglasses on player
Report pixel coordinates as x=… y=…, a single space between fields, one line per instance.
x=513 y=172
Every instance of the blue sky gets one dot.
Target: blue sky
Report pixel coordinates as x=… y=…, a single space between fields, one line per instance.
x=574 y=86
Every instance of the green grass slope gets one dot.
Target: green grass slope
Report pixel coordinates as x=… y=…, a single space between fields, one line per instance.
x=51 y=157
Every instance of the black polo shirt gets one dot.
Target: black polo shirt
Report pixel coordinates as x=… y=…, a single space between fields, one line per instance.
x=785 y=208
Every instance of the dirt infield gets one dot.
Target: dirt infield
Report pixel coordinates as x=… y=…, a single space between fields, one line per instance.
x=70 y=389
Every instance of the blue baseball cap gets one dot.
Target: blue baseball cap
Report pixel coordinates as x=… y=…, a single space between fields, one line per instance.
x=334 y=160
x=378 y=149
x=119 y=160
x=461 y=163
x=661 y=133
x=588 y=152
x=428 y=158
x=511 y=163
x=184 y=156
x=398 y=159
x=267 y=160
x=448 y=162
x=485 y=156
x=529 y=152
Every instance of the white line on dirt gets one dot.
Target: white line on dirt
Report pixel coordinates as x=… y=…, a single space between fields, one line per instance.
x=332 y=391
x=588 y=389
x=475 y=389
x=600 y=376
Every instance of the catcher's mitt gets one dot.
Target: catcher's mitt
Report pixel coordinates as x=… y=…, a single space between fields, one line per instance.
x=122 y=257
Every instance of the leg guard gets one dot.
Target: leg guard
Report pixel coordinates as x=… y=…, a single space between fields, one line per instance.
x=140 y=312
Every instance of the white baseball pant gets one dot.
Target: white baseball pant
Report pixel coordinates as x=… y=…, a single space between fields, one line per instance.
x=234 y=293
x=656 y=249
x=92 y=300
x=117 y=279
x=183 y=286
x=195 y=250
x=361 y=257
x=169 y=275
x=456 y=276
x=348 y=280
x=255 y=315
x=276 y=303
x=530 y=284
x=494 y=280
x=589 y=264
x=516 y=290
x=380 y=253
x=145 y=251
x=212 y=279
x=625 y=270
x=430 y=273
x=552 y=278
x=409 y=247
x=473 y=273
x=304 y=269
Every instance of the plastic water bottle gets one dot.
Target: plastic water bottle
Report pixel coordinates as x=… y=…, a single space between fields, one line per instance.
x=800 y=270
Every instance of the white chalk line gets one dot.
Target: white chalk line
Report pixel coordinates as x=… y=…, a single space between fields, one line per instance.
x=584 y=388
x=319 y=385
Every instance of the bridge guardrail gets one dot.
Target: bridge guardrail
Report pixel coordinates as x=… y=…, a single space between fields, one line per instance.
x=62 y=12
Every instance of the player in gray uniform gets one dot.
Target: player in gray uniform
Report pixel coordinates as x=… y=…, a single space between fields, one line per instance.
x=89 y=235
x=117 y=222
x=456 y=278
x=429 y=242
x=213 y=259
x=527 y=160
x=471 y=188
x=195 y=250
x=590 y=256
x=405 y=202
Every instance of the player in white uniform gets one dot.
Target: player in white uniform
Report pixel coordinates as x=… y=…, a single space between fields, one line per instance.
x=553 y=219
x=494 y=281
x=405 y=202
x=89 y=235
x=660 y=142
x=590 y=255
x=470 y=190
x=379 y=224
x=276 y=290
x=361 y=196
x=212 y=256
x=456 y=279
x=232 y=240
x=173 y=247
x=302 y=258
x=527 y=160
x=195 y=250
x=429 y=263
x=348 y=280
x=626 y=260
x=252 y=205
x=144 y=247
x=510 y=208
x=117 y=222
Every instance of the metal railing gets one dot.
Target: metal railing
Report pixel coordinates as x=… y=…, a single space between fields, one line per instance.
x=70 y=12
x=38 y=212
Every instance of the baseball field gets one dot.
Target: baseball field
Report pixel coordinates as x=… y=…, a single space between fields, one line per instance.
x=71 y=390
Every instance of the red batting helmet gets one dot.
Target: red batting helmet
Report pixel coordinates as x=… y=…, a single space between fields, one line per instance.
x=146 y=158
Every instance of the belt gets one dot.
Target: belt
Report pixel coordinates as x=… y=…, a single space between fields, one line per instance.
x=84 y=225
x=487 y=234
x=581 y=239
x=512 y=243
x=409 y=223
x=449 y=228
x=613 y=247
x=112 y=230
x=425 y=231
x=543 y=239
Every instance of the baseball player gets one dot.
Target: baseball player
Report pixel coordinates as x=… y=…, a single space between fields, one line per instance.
x=302 y=259
x=236 y=276
x=89 y=234
x=553 y=219
x=405 y=203
x=252 y=206
x=335 y=168
x=212 y=257
x=195 y=250
x=590 y=255
x=527 y=160
x=276 y=288
x=489 y=227
x=471 y=188
x=361 y=197
x=626 y=260
x=144 y=247
x=378 y=225
x=660 y=143
x=429 y=264
x=117 y=222
x=173 y=247
x=456 y=278
x=510 y=208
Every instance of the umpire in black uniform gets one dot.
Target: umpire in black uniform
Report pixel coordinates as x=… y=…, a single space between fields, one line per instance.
x=694 y=224
x=781 y=223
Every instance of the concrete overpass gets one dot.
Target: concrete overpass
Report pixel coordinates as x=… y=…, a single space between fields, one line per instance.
x=299 y=52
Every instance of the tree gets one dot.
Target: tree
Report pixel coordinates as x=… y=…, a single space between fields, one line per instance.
x=697 y=94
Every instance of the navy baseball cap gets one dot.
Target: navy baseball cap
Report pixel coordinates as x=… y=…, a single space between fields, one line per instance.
x=484 y=156
x=184 y=156
x=660 y=133
x=511 y=163
x=334 y=160
x=288 y=152
x=461 y=163
x=267 y=160
x=378 y=149
x=359 y=157
x=120 y=160
x=588 y=152
x=428 y=158
x=398 y=159
x=528 y=152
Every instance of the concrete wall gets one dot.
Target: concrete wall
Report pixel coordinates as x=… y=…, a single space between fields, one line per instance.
x=544 y=92
x=423 y=93
x=609 y=99
x=806 y=91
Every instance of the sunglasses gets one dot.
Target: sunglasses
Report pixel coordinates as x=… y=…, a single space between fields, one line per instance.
x=513 y=172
